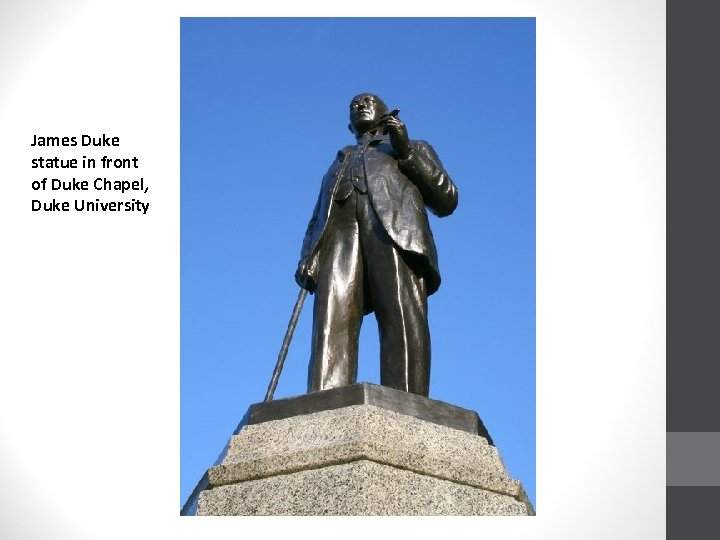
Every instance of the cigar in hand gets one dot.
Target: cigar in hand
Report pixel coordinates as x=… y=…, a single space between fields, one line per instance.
x=385 y=117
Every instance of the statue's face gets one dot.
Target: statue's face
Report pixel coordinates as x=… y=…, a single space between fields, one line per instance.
x=365 y=110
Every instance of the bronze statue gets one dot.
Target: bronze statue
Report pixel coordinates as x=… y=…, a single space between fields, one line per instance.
x=368 y=247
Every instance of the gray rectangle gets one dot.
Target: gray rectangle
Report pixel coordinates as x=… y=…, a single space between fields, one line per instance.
x=693 y=458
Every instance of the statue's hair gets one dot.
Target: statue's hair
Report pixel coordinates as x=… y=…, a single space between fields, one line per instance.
x=377 y=98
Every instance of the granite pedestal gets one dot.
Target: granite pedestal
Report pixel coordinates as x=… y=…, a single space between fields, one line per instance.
x=359 y=450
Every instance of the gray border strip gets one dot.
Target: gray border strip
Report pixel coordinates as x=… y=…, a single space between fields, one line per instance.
x=693 y=220
x=693 y=458
x=693 y=290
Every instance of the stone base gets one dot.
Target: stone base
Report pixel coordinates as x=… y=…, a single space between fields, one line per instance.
x=358 y=488
x=358 y=460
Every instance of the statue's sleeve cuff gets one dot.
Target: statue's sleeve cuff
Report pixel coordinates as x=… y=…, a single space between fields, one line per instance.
x=415 y=165
x=411 y=155
x=404 y=162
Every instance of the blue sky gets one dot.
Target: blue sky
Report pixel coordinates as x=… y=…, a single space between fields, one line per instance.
x=264 y=109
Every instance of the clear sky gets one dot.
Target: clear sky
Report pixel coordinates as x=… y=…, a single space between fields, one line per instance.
x=264 y=109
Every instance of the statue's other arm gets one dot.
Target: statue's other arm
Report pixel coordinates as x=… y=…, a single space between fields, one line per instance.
x=419 y=162
x=424 y=168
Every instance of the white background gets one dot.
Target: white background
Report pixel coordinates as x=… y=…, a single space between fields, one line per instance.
x=89 y=304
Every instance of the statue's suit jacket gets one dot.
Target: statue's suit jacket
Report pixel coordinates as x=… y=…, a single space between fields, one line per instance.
x=399 y=190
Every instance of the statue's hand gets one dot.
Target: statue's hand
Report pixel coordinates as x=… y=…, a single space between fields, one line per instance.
x=398 y=136
x=302 y=276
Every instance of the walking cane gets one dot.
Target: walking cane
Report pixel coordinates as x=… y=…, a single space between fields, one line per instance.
x=286 y=344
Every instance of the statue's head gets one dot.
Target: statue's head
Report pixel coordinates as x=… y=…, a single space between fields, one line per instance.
x=365 y=110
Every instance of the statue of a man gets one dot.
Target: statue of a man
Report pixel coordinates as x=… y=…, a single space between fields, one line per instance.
x=368 y=247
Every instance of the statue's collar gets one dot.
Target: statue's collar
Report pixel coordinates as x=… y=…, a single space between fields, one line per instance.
x=371 y=137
